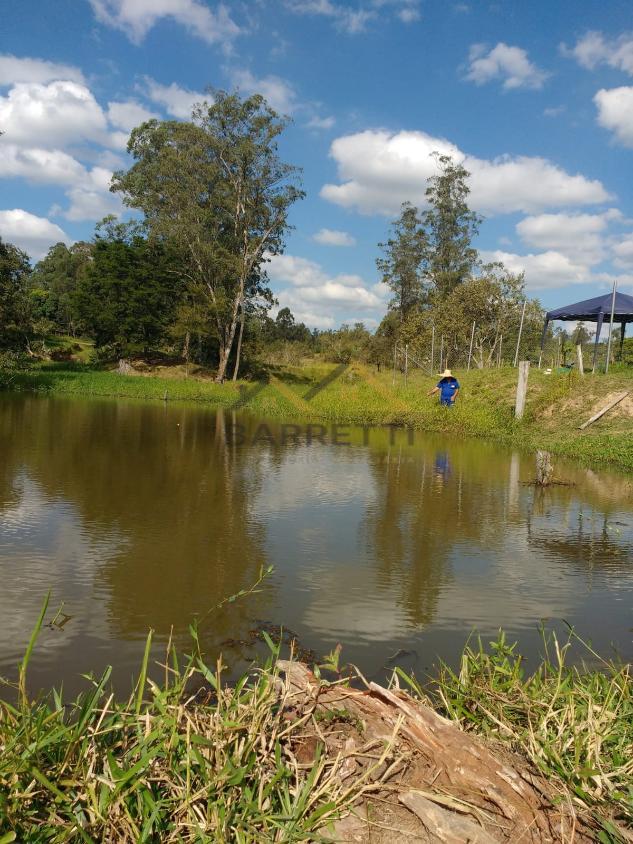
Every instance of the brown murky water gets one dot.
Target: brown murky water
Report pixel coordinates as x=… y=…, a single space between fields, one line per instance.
x=143 y=515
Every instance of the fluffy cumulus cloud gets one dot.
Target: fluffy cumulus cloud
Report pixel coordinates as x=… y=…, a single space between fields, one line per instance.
x=318 y=298
x=594 y=49
x=41 y=120
x=52 y=115
x=615 y=112
x=279 y=93
x=543 y=270
x=57 y=133
x=333 y=237
x=126 y=115
x=39 y=166
x=378 y=170
x=504 y=62
x=177 y=101
x=623 y=251
x=580 y=237
x=14 y=69
x=136 y=17
x=90 y=198
x=29 y=232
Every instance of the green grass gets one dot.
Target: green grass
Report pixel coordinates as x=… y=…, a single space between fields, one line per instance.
x=557 y=403
x=192 y=759
x=166 y=764
x=574 y=724
x=161 y=766
x=82 y=349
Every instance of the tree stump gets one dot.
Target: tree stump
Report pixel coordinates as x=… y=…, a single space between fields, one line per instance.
x=544 y=468
x=124 y=367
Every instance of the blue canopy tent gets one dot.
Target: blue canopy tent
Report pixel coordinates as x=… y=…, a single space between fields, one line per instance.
x=595 y=310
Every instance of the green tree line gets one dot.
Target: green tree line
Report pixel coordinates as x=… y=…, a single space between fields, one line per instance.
x=187 y=277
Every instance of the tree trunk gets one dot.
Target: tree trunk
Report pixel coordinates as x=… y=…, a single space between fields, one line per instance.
x=544 y=468
x=236 y=368
x=225 y=348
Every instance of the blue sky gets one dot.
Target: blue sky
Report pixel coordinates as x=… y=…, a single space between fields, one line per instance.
x=535 y=98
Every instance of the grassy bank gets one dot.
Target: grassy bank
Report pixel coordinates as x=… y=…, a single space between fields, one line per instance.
x=190 y=759
x=557 y=403
x=574 y=724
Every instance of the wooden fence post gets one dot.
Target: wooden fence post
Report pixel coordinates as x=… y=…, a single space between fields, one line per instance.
x=519 y=407
x=516 y=355
x=406 y=363
x=581 y=368
x=470 y=351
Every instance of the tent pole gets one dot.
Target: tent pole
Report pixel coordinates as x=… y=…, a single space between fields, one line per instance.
x=606 y=366
x=622 y=333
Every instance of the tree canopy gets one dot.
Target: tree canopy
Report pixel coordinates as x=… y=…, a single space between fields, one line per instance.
x=217 y=187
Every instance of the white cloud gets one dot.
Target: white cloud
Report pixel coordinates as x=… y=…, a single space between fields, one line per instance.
x=277 y=91
x=580 y=237
x=129 y=114
x=14 y=69
x=91 y=199
x=409 y=14
x=177 y=101
x=87 y=190
x=39 y=166
x=544 y=270
x=504 y=62
x=52 y=115
x=33 y=234
x=623 y=251
x=594 y=49
x=379 y=170
x=332 y=237
x=136 y=17
x=352 y=21
x=318 y=298
x=320 y=123
x=41 y=119
x=554 y=111
x=407 y=11
x=615 y=112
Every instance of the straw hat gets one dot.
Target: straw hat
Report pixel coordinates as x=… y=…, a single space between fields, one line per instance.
x=446 y=374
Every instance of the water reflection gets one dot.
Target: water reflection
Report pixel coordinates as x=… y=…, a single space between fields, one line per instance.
x=143 y=515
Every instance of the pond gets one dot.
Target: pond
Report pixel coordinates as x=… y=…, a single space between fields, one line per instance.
x=393 y=543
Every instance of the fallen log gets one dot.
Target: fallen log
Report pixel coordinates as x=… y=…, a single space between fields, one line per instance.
x=604 y=410
x=455 y=787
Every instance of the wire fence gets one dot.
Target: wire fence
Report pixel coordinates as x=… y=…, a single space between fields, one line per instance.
x=436 y=352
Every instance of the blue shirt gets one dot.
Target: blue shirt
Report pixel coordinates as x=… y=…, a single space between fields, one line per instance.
x=448 y=387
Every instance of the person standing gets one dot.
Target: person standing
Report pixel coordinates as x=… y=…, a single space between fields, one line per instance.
x=447 y=387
